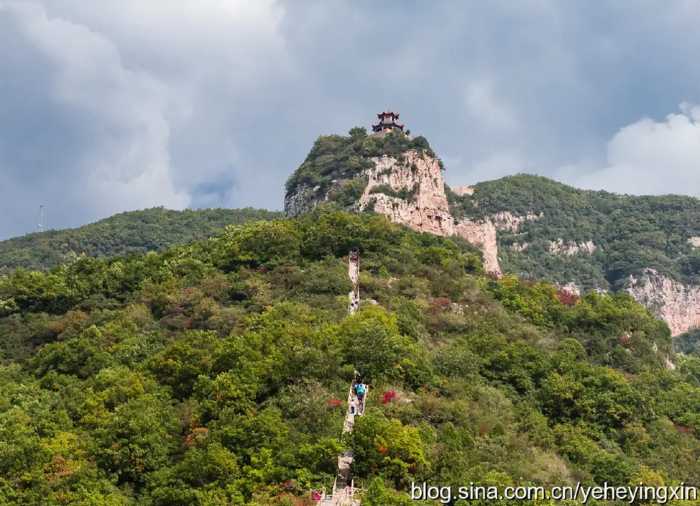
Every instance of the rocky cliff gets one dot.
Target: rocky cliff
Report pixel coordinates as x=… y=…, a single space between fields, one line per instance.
x=676 y=303
x=647 y=246
x=531 y=226
x=409 y=189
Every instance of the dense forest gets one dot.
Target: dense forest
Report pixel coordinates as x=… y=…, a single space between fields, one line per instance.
x=212 y=373
x=121 y=234
x=630 y=232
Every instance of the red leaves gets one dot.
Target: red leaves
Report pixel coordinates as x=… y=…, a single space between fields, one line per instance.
x=567 y=298
x=334 y=403
x=388 y=396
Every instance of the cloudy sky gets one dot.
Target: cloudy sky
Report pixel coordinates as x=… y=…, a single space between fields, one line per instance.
x=125 y=104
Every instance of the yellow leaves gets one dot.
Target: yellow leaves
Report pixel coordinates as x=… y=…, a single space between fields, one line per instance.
x=67 y=456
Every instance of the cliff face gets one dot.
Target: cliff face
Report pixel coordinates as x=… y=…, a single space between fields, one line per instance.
x=674 y=302
x=303 y=200
x=410 y=190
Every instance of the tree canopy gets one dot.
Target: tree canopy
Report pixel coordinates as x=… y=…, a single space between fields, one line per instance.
x=213 y=373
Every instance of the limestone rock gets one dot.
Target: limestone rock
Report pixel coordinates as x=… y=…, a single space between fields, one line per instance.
x=417 y=199
x=302 y=201
x=463 y=190
x=570 y=248
x=505 y=220
x=675 y=303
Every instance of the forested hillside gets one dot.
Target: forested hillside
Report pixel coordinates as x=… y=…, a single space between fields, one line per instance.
x=130 y=232
x=213 y=373
x=629 y=233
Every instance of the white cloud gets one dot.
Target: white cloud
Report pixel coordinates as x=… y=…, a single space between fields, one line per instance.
x=650 y=157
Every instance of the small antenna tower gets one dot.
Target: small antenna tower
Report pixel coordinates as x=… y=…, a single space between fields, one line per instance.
x=41 y=226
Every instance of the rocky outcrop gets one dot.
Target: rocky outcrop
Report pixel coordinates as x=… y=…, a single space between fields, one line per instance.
x=303 y=200
x=675 y=303
x=519 y=246
x=483 y=235
x=463 y=190
x=411 y=191
x=505 y=220
x=570 y=248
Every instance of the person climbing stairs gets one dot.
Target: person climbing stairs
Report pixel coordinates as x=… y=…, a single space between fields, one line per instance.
x=344 y=491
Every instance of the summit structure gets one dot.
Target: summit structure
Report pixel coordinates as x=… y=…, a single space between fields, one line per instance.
x=388 y=122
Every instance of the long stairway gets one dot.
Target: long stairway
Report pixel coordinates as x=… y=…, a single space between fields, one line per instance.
x=344 y=491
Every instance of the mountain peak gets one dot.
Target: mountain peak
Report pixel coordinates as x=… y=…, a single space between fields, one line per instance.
x=389 y=173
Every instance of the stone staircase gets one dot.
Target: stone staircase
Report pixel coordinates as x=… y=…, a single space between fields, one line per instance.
x=344 y=492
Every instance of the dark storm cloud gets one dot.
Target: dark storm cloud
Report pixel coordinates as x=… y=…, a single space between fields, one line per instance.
x=118 y=105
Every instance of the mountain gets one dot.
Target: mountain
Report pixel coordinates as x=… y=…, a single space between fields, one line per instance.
x=121 y=234
x=215 y=373
x=534 y=227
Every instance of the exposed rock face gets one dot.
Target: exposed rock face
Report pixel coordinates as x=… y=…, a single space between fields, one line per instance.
x=519 y=246
x=483 y=235
x=675 y=303
x=302 y=201
x=463 y=190
x=411 y=191
x=417 y=196
x=505 y=220
x=570 y=248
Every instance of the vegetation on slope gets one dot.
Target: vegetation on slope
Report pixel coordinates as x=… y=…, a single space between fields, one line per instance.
x=631 y=232
x=212 y=373
x=121 y=234
x=337 y=157
x=688 y=342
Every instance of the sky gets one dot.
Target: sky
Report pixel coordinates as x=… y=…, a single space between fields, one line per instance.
x=119 y=105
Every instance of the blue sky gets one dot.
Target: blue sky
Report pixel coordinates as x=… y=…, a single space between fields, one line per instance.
x=123 y=104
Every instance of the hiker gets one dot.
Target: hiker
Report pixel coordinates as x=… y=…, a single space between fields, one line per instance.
x=353 y=407
x=360 y=390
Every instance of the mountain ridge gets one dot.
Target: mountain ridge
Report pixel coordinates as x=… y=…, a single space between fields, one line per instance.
x=529 y=225
x=123 y=233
